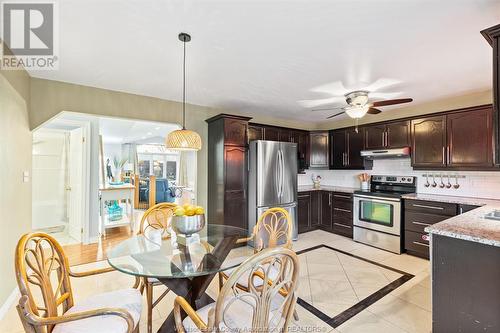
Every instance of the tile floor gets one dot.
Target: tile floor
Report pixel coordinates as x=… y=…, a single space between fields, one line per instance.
x=406 y=309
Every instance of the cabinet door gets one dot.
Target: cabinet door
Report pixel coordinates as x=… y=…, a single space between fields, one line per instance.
x=285 y=135
x=398 y=134
x=304 y=211
x=375 y=136
x=354 y=145
x=338 y=149
x=255 y=133
x=319 y=150
x=271 y=133
x=470 y=139
x=429 y=142
x=235 y=132
x=315 y=208
x=326 y=210
x=235 y=197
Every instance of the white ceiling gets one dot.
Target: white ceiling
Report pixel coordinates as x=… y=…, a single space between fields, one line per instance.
x=265 y=56
x=115 y=130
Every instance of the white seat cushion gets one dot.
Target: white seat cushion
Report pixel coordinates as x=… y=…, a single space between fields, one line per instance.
x=128 y=299
x=237 y=316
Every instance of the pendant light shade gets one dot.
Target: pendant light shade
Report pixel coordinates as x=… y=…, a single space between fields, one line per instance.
x=183 y=139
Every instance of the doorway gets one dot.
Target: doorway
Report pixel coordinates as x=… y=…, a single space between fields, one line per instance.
x=60 y=181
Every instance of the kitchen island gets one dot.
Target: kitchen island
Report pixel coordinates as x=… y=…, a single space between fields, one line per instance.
x=465 y=258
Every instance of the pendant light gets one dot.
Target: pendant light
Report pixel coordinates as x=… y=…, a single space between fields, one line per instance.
x=183 y=139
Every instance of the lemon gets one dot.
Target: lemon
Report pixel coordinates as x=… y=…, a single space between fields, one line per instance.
x=190 y=211
x=179 y=211
x=199 y=211
x=186 y=206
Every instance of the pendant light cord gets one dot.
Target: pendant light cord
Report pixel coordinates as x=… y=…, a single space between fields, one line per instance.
x=184 y=88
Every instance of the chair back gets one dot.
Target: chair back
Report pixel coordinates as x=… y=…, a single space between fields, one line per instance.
x=42 y=272
x=274 y=228
x=157 y=217
x=265 y=307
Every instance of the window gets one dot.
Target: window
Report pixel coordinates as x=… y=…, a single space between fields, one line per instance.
x=158 y=161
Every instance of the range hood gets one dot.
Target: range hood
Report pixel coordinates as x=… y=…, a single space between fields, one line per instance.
x=386 y=153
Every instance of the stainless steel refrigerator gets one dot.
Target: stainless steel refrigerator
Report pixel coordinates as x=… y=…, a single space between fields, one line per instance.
x=272 y=179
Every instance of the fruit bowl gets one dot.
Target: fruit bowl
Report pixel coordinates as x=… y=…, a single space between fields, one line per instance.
x=188 y=225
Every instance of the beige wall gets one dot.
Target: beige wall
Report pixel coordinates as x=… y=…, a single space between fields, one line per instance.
x=415 y=108
x=49 y=98
x=15 y=157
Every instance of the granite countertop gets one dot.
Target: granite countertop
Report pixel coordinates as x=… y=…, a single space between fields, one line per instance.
x=308 y=188
x=451 y=199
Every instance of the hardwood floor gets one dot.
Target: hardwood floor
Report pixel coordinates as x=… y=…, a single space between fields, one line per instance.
x=82 y=254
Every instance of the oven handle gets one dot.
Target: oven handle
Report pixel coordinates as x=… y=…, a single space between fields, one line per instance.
x=376 y=198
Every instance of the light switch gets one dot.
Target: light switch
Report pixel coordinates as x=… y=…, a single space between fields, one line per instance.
x=26 y=176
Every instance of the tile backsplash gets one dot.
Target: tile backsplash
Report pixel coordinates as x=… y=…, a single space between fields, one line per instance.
x=479 y=184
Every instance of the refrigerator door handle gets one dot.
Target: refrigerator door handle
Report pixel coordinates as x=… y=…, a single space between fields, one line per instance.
x=277 y=173
x=282 y=173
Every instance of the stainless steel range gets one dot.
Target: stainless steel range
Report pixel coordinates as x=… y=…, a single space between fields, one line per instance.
x=378 y=212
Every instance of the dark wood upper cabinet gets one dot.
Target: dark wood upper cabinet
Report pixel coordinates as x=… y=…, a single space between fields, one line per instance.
x=429 y=142
x=492 y=35
x=354 y=147
x=319 y=150
x=470 y=138
x=235 y=132
x=285 y=135
x=255 y=133
x=346 y=146
x=398 y=134
x=338 y=145
x=390 y=135
x=375 y=136
x=271 y=133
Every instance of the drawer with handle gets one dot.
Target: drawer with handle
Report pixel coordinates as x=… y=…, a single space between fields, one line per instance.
x=342 y=213
x=416 y=221
x=417 y=243
x=431 y=207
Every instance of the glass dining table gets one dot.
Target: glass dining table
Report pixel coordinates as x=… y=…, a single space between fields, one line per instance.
x=186 y=265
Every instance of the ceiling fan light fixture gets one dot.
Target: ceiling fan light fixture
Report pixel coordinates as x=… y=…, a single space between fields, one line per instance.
x=356 y=111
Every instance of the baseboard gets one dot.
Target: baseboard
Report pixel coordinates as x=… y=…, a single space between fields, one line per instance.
x=13 y=297
x=93 y=240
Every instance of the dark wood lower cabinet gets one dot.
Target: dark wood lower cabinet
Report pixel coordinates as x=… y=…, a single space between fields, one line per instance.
x=330 y=211
x=419 y=214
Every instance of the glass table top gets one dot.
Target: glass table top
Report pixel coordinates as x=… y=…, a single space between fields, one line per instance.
x=212 y=250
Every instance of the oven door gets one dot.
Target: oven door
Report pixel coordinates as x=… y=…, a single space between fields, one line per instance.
x=380 y=214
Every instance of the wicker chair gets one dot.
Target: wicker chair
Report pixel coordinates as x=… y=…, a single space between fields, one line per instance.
x=266 y=306
x=155 y=219
x=274 y=228
x=47 y=304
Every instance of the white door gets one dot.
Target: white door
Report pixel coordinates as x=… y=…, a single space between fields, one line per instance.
x=75 y=186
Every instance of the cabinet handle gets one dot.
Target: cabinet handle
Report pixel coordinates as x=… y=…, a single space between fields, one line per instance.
x=430 y=207
x=342 y=225
x=383 y=139
x=421 y=244
x=421 y=223
x=444 y=155
x=448 y=156
x=461 y=210
x=342 y=210
x=329 y=199
x=341 y=196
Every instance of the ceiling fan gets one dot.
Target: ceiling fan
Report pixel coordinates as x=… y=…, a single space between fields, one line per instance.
x=358 y=106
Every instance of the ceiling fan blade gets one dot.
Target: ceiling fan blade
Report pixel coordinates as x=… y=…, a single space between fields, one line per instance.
x=311 y=103
x=329 y=109
x=373 y=111
x=392 y=102
x=335 y=115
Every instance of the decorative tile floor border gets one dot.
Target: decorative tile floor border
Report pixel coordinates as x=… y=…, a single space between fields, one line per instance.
x=364 y=303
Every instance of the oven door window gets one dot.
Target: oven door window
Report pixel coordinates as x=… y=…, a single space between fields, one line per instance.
x=376 y=212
